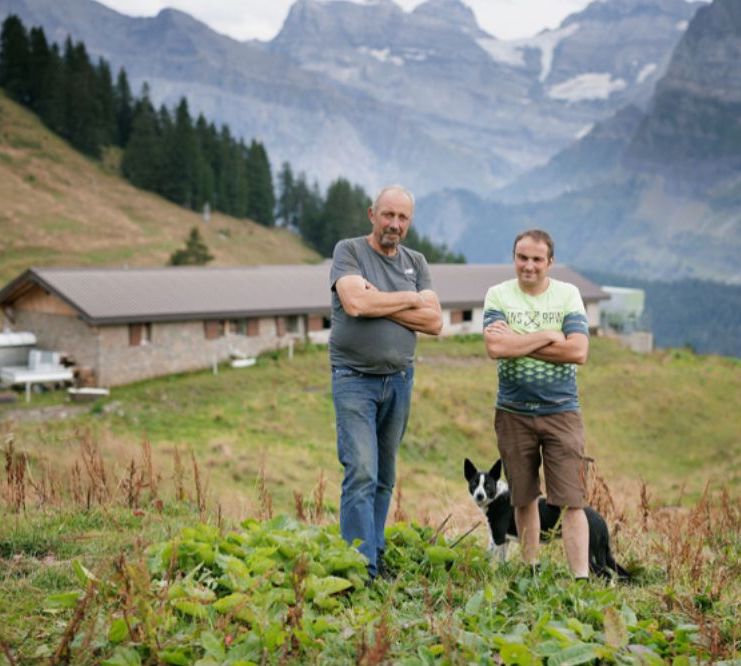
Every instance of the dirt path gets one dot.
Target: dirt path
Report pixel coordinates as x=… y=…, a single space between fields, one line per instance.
x=41 y=414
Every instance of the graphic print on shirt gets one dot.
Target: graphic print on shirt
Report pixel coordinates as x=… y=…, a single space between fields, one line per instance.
x=528 y=385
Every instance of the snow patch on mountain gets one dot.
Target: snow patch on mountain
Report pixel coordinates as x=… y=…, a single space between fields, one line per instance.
x=505 y=52
x=547 y=41
x=645 y=72
x=418 y=55
x=584 y=131
x=382 y=55
x=592 y=85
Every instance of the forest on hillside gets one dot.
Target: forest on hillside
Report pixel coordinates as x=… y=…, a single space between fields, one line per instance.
x=188 y=161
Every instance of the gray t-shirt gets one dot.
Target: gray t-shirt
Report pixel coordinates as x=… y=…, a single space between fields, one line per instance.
x=375 y=345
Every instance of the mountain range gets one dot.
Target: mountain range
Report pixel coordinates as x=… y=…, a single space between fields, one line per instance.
x=376 y=94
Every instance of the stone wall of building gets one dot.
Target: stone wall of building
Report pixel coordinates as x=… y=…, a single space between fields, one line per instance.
x=56 y=332
x=174 y=347
x=110 y=357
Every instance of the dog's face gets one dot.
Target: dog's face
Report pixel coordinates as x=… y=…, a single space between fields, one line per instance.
x=484 y=487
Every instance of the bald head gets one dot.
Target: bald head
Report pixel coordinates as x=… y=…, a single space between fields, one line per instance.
x=392 y=189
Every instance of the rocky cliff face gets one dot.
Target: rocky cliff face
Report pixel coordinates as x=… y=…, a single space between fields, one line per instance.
x=591 y=160
x=693 y=129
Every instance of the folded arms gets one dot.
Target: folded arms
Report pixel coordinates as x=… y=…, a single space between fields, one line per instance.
x=553 y=346
x=417 y=311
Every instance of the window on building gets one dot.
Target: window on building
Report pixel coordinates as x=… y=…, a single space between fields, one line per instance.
x=249 y=327
x=292 y=324
x=460 y=316
x=213 y=329
x=287 y=324
x=140 y=334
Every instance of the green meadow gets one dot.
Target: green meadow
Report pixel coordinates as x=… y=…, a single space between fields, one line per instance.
x=192 y=520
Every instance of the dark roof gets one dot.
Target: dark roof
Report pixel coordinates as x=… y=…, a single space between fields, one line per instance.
x=108 y=296
x=466 y=284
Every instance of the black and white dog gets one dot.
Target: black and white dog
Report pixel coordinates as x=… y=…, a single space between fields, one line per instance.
x=491 y=494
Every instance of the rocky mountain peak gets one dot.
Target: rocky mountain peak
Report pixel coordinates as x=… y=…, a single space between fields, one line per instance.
x=178 y=20
x=452 y=12
x=337 y=23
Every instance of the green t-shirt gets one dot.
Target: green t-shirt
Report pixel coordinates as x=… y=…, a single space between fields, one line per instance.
x=528 y=385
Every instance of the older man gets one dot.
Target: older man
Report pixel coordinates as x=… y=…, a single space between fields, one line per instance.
x=536 y=327
x=381 y=297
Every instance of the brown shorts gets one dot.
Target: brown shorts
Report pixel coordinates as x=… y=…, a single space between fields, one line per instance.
x=559 y=438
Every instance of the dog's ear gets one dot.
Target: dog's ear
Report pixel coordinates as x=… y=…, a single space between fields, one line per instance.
x=469 y=469
x=496 y=469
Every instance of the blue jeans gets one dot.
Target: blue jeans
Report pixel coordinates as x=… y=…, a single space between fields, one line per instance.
x=371 y=413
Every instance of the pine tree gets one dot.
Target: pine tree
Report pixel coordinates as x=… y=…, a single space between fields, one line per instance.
x=107 y=103
x=195 y=252
x=287 y=211
x=239 y=182
x=222 y=164
x=180 y=159
x=38 y=68
x=141 y=158
x=123 y=105
x=51 y=105
x=205 y=179
x=165 y=130
x=15 y=60
x=260 y=193
x=309 y=209
x=232 y=174
x=82 y=113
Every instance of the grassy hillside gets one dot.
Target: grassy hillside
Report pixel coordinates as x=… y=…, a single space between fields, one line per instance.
x=670 y=419
x=60 y=208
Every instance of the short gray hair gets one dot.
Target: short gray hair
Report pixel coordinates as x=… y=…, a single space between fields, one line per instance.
x=394 y=188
